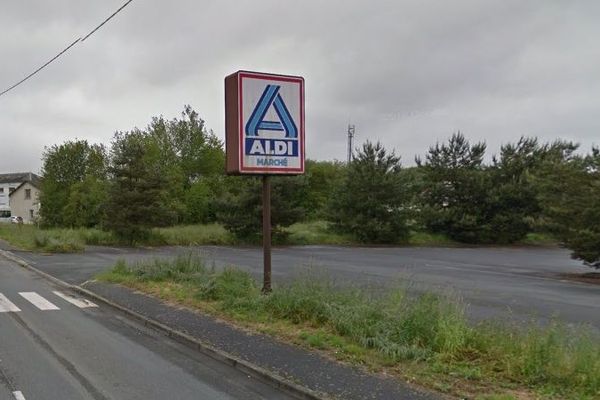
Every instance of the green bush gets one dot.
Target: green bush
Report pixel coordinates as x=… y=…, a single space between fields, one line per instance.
x=240 y=208
x=372 y=202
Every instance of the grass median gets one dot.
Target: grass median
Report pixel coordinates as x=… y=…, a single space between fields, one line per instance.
x=424 y=338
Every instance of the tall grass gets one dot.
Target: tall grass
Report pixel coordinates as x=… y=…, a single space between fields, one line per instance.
x=189 y=235
x=418 y=238
x=539 y=239
x=315 y=233
x=57 y=240
x=21 y=236
x=28 y=237
x=429 y=329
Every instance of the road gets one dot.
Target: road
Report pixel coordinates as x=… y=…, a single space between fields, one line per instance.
x=57 y=346
x=521 y=283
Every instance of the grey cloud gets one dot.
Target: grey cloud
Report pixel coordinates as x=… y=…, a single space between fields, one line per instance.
x=407 y=73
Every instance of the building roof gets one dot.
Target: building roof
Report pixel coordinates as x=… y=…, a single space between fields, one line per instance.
x=20 y=177
x=21 y=185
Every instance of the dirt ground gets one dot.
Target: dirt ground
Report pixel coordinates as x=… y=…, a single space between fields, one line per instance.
x=589 y=277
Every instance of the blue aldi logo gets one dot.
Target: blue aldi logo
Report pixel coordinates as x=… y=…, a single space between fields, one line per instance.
x=270 y=124
x=280 y=147
x=271 y=97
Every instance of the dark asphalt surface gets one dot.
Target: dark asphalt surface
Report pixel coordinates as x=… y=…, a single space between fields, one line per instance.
x=519 y=283
x=97 y=353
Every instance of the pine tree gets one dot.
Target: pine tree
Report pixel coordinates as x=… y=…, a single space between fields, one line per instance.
x=372 y=202
x=454 y=198
x=138 y=194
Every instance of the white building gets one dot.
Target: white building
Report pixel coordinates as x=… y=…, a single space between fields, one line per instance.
x=9 y=183
x=25 y=202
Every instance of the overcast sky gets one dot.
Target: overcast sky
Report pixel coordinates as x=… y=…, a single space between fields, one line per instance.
x=406 y=73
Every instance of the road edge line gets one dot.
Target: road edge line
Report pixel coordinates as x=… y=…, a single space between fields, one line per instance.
x=268 y=377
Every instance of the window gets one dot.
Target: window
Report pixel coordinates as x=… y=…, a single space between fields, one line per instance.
x=27 y=194
x=30 y=214
x=1 y=190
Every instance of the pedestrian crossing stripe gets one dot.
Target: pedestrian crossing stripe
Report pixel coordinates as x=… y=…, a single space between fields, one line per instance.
x=42 y=303
x=76 y=301
x=38 y=301
x=6 y=305
x=18 y=395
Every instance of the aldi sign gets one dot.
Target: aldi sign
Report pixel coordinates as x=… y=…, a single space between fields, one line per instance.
x=264 y=123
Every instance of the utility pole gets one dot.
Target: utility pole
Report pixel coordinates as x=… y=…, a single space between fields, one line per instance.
x=350 y=139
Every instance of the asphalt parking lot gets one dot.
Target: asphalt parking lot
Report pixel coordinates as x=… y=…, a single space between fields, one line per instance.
x=520 y=283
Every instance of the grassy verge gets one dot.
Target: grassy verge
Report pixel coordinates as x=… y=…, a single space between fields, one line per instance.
x=539 y=239
x=430 y=239
x=29 y=237
x=315 y=233
x=319 y=233
x=425 y=339
x=189 y=235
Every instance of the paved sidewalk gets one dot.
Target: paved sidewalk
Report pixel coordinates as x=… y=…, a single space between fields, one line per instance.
x=301 y=366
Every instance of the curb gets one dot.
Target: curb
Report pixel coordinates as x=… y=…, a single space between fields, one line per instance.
x=244 y=366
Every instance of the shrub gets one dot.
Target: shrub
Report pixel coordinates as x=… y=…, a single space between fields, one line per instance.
x=240 y=208
x=371 y=203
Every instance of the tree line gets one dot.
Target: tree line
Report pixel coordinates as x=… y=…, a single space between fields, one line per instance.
x=172 y=172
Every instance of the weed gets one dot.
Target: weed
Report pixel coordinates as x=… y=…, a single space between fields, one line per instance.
x=315 y=232
x=496 y=397
x=539 y=239
x=186 y=235
x=428 y=329
x=418 y=238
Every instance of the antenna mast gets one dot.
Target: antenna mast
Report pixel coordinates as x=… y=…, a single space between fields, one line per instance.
x=350 y=139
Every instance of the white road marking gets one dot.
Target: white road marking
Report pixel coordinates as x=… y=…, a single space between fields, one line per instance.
x=6 y=305
x=77 y=301
x=18 y=395
x=38 y=301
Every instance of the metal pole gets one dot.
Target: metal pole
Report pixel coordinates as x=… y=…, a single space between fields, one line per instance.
x=350 y=137
x=266 y=197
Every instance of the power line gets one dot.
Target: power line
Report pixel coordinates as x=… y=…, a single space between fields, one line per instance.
x=40 y=68
x=65 y=50
x=106 y=20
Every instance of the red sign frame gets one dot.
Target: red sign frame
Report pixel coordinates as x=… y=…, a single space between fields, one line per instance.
x=234 y=124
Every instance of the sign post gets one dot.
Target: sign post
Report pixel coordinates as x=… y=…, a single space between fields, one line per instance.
x=264 y=135
x=266 y=199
